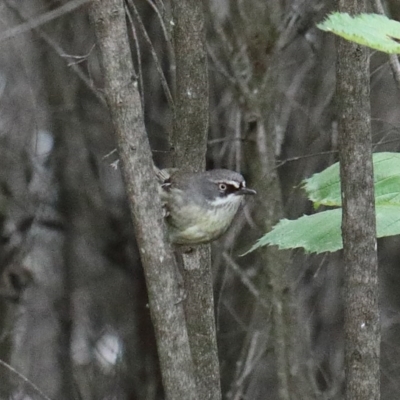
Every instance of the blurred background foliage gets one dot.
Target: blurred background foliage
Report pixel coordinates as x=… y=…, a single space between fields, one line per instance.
x=74 y=320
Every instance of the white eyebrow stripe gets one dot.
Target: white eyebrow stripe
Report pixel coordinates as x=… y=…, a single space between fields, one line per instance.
x=232 y=183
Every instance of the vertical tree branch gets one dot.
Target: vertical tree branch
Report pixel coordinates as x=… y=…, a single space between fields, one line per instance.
x=189 y=144
x=108 y=17
x=189 y=138
x=362 y=330
x=272 y=280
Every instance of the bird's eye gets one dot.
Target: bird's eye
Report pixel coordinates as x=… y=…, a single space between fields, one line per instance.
x=222 y=186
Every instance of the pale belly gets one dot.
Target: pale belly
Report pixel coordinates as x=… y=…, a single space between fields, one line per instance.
x=193 y=225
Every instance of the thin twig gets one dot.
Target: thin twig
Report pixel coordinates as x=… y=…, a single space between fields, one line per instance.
x=160 y=19
x=219 y=66
x=74 y=66
x=236 y=80
x=60 y=51
x=238 y=143
x=155 y=57
x=223 y=140
x=42 y=19
x=79 y=59
x=246 y=281
x=139 y=57
x=25 y=379
x=321 y=153
x=253 y=358
x=163 y=15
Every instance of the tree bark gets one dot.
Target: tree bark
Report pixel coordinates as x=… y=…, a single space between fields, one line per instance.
x=108 y=17
x=189 y=137
x=189 y=144
x=362 y=329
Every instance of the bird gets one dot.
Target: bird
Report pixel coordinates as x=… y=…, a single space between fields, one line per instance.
x=200 y=206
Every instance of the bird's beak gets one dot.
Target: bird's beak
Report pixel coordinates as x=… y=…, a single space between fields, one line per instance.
x=245 y=190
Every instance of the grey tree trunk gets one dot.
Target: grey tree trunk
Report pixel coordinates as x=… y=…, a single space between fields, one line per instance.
x=158 y=261
x=361 y=290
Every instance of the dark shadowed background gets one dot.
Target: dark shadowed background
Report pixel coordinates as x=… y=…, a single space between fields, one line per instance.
x=73 y=314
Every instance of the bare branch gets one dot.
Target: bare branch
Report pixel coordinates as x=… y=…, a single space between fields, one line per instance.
x=189 y=142
x=60 y=51
x=163 y=80
x=25 y=379
x=246 y=281
x=191 y=103
x=42 y=19
x=361 y=289
x=108 y=17
x=138 y=55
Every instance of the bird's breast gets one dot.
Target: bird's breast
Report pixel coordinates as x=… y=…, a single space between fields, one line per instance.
x=200 y=223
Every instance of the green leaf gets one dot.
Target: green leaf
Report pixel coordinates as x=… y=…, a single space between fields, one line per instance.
x=315 y=233
x=321 y=232
x=387 y=220
x=372 y=30
x=324 y=187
